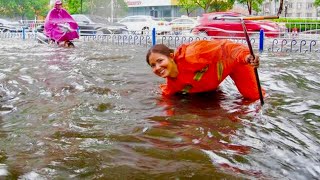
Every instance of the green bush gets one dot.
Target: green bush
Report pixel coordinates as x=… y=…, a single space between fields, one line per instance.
x=301 y=24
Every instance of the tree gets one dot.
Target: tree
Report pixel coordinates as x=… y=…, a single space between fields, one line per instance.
x=317 y=3
x=208 y=5
x=188 y=5
x=280 y=8
x=221 y=5
x=73 y=6
x=38 y=8
x=13 y=8
x=252 y=5
x=96 y=7
x=121 y=8
x=24 y=8
x=214 y=5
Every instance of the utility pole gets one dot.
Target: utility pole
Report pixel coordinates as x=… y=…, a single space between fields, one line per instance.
x=286 y=8
x=275 y=6
x=111 y=10
x=81 y=6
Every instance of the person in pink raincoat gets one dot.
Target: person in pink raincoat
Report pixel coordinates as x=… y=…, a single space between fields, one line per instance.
x=59 y=25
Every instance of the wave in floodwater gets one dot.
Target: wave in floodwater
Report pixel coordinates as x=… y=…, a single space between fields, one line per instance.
x=95 y=112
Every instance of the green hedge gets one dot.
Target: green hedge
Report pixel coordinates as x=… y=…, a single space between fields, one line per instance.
x=299 y=23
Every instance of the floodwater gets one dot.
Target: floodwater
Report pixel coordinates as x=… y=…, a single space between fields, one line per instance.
x=95 y=112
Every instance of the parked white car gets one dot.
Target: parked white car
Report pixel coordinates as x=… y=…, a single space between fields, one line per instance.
x=309 y=34
x=141 y=24
x=183 y=25
x=89 y=27
x=9 y=26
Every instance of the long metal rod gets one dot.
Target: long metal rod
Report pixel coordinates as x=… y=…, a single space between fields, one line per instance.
x=260 y=17
x=249 y=17
x=252 y=53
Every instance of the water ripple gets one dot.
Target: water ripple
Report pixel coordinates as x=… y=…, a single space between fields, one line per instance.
x=95 y=111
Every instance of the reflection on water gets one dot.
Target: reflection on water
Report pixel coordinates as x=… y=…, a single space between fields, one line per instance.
x=95 y=112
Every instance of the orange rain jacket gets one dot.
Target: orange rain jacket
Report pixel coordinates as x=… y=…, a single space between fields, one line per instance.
x=203 y=65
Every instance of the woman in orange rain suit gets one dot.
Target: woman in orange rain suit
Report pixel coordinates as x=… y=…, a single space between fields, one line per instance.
x=202 y=65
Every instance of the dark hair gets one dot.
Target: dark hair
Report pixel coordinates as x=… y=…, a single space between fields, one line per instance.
x=159 y=48
x=70 y=44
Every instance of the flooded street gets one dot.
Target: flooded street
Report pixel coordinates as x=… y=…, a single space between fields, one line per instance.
x=96 y=112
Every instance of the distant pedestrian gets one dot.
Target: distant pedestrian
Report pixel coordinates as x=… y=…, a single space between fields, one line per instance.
x=60 y=26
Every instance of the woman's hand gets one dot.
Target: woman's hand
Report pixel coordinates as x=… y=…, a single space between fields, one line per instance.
x=253 y=61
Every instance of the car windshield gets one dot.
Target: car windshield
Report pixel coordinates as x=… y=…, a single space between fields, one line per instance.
x=182 y=21
x=133 y=19
x=214 y=17
x=3 y=21
x=81 y=18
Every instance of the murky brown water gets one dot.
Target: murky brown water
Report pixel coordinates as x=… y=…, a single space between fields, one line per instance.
x=95 y=112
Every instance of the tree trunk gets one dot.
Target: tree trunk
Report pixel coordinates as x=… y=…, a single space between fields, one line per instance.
x=280 y=8
x=249 y=7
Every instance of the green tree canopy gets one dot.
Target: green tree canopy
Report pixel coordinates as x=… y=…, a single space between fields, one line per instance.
x=96 y=7
x=221 y=5
x=207 y=5
x=28 y=9
x=73 y=6
x=188 y=5
x=25 y=9
x=252 y=5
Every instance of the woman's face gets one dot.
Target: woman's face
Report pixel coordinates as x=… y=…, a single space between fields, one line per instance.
x=162 y=65
x=58 y=6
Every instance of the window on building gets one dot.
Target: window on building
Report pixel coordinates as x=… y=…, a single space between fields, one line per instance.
x=289 y=5
x=299 y=5
x=309 y=14
x=153 y=12
x=166 y=13
x=309 y=5
x=298 y=14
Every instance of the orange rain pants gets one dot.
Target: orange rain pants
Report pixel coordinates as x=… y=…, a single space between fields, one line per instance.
x=203 y=65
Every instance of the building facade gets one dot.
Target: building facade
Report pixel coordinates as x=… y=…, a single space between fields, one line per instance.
x=292 y=8
x=170 y=9
x=165 y=9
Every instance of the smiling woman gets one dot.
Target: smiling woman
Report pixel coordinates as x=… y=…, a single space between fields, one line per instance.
x=202 y=65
